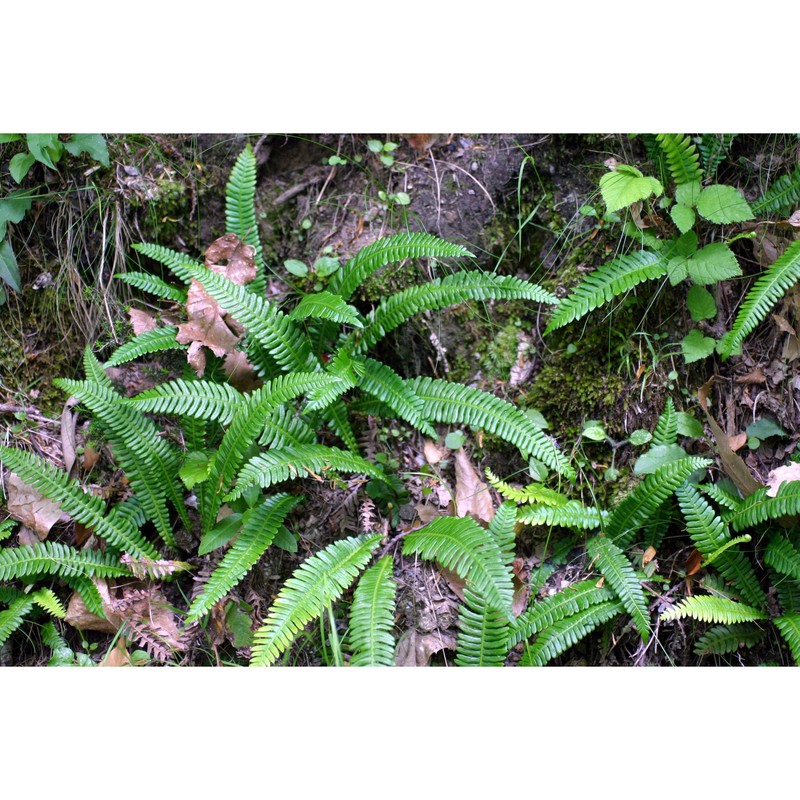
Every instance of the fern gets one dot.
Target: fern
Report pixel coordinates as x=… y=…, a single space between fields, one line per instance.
x=713 y=151
x=372 y=617
x=782 y=197
x=14 y=616
x=454 y=403
x=565 y=633
x=240 y=216
x=713 y=609
x=176 y=262
x=572 y=514
x=460 y=544
x=319 y=581
x=55 y=558
x=214 y=402
x=324 y=305
x=154 y=285
x=607 y=282
x=532 y=493
x=666 y=431
x=722 y=639
x=57 y=486
x=482 y=636
x=789 y=626
x=760 y=507
x=259 y=527
x=782 y=556
x=617 y=570
x=389 y=250
x=146 y=343
x=722 y=496
x=48 y=600
x=283 y=429
x=682 y=157
x=314 y=459
x=764 y=294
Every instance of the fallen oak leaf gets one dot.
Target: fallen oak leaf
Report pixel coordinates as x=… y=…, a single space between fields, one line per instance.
x=472 y=494
x=31 y=508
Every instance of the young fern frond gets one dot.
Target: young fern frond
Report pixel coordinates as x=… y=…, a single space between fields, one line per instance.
x=572 y=514
x=324 y=305
x=617 y=570
x=721 y=496
x=532 y=493
x=789 y=626
x=460 y=544
x=319 y=581
x=565 y=633
x=782 y=197
x=682 y=157
x=145 y=343
x=783 y=556
x=154 y=285
x=47 y=600
x=372 y=617
x=95 y=372
x=482 y=635
x=389 y=250
x=176 y=262
x=88 y=509
x=709 y=532
x=713 y=609
x=759 y=506
x=55 y=558
x=14 y=616
x=723 y=639
x=763 y=295
x=240 y=214
x=607 y=282
x=259 y=527
x=666 y=431
x=275 y=466
x=87 y=589
x=455 y=403
x=642 y=503
x=566 y=603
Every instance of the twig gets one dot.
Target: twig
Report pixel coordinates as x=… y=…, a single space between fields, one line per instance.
x=31 y=413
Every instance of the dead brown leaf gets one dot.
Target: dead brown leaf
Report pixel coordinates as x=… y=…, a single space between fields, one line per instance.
x=141 y=321
x=738 y=441
x=756 y=376
x=693 y=562
x=433 y=453
x=455 y=582
x=33 y=510
x=790 y=472
x=472 y=494
x=69 y=422
x=427 y=513
x=522 y=589
x=118 y=656
x=240 y=372
x=649 y=555
x=415 y=649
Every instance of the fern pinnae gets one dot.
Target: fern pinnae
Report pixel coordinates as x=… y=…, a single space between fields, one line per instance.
x=49 y=601
x=481 y=639
x=325 y=305
x=283 y=429
x=783 y=556
x=666 y=431
x=259 y=527
x=145 y=343
x=789 y=626
x=178 y=263
x=763 y=295
x=713 y=609
x=572 y=514
x=781 y=197
x=14 y=616
x=760 y=507
x=55 y=558
x=612 y=562
x=153 y=285
x=213 y=402
x=372 y=617
x=240 y=191
x=320 y=580
x=682 y=157
x=532 y=493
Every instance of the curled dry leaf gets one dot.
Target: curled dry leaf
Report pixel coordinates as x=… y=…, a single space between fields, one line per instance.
x=433 y=453
x=472 y=494
x=791 y=472
x=415 y=649
x=33 y=510
x=738 y=441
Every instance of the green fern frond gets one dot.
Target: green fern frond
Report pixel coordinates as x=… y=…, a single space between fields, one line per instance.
x=607 y=282
x=259 y=526
x=271 y=328
x=532 y=493
x=89 y=593
x=95 y=371
x=319 y=581
x=503 y=528
x=240 y=195
x=176 y=262
x=782 y=197
x=372 y=617
x=154 y=285
x=722 y=639
x=47 y=600
x=789 y=626
x=146 y=343
x=709 y=533
x=617 y=570
x=451 y=290
x=324 y=305
x=566 y=603
x=782 y=556
x=642 y=503
x=722 y=496
x=14 y=616
x=213 y=402
x=461 y=545
x=455 y=403
x=666 y=431
x=389 y=250
x=565 y=633
x=310 y=459
x=55 y=558
x=88 y=509
x=763 y=295
x=572 y=514
x=482 y=633
x=284 y=429
x=713 y=609
x=682 y=157
x=759 y=506
x=336 y=417
x=714 y=149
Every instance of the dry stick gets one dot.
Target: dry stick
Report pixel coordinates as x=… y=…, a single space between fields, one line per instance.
x=31 y=413
x=438 y=190
x=482 y=187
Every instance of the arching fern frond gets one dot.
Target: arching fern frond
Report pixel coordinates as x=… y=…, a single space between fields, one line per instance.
x=88 y=509
x=532 y=493
x=722 y=496
x=617 y=570
x=455 y=403
x=713 y=150
x=145 y=343
x=682 y=157
x=389 y=250
x=666 y=431
x=482 y=633
x=154 y=285
x=213 y=402
x=789 y=626
x=782 y=197
x=764 y=294
x=565 y=633
x=55 y=558
x=372 y=617
x=782 y=556
x=275 y=466
x=176 y=262
x=759 y=506
x=48 y=600
x=284 y=429
x=460 y=544
x=572 y=514
x=240 y=214
x=320 y=580
x=713 y=609
x=722 y=639
x=607 y=282
x=259 y=526
x=14 y=616
x=324 y=305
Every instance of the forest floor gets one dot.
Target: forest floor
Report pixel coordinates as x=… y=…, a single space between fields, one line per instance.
x=525 y=205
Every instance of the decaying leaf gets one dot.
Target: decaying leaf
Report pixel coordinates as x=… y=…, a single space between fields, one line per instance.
x=32 y=509
x=790 y=472
x=69 y=422
x=427 y=512
x=738 y=441
x=433 y=453
x=415 y=649
x=141 y=321
x=693 y=562
x=756 y=376
x=240 y=372
x=472 y=494
x=118 y=656
x=649 y=555
x=522 y=589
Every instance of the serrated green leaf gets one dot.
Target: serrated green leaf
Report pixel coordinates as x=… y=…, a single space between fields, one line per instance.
x=723 y=204
x=695 y=346
x=683 y=217
x=625 y=186
x=687 y=193
x=92 y=143
x=195 y=469
x=700 y=303
x=715 y=262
